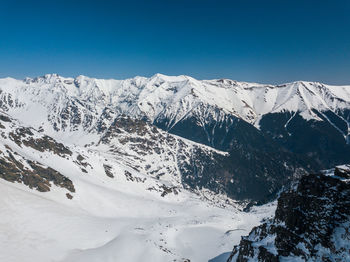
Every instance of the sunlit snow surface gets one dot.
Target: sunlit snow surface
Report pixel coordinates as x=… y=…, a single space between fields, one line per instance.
x=109 y=223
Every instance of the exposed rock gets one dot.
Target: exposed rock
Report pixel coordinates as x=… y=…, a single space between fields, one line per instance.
x=37 y=176
x=342 y=171
x=4 y=118
x=80 y=162
x=108 y=170
x=80 y=158
x=130 y=177
x=168 y=190
x=307 y=223
x=25 y=135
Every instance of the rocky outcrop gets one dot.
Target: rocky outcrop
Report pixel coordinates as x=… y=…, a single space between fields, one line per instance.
x=15 y=168
x=311 y=223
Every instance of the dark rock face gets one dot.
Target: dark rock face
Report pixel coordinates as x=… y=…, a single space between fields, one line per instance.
x=24 y=135
x=108 y=170
x=257 y=166
x=39 y=177
x=15 y=167
x=311 y=223
x=262 y=161
x=326 y=142
x=216 y=130
x=342 y=171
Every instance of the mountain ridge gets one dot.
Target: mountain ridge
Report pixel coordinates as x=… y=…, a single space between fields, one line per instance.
x=150 y=97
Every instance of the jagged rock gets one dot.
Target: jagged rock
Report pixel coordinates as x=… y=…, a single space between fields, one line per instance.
x=38 y=177
x=342 y=171
x=18 y=167
x=108 y=170
x=306 y=225
x=168 y=190
x=25 y=135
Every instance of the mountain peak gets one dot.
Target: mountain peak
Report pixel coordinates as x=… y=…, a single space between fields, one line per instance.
x=167 y=78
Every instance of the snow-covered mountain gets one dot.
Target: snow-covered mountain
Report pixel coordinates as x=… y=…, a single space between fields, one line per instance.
x=89 y=104
x=167 y=163
x=119 y=200
x=302 y=125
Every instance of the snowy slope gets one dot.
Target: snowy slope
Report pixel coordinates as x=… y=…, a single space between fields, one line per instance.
x=111 y=215
x=107 y=224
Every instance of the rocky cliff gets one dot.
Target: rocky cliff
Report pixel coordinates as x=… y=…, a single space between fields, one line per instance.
x=311 y=223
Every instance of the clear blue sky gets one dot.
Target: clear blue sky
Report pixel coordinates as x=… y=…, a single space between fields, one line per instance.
x=265 y=41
